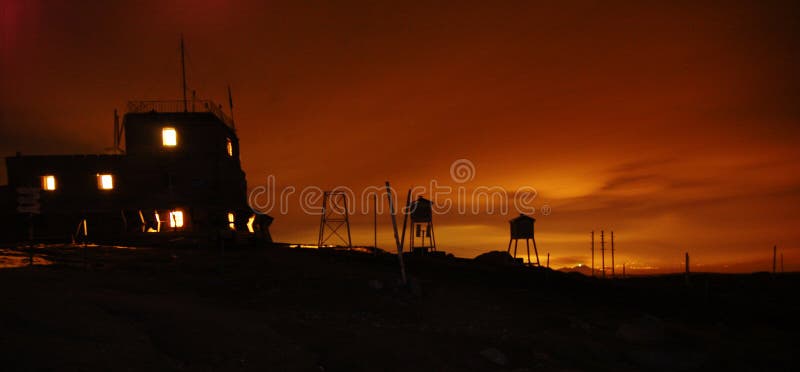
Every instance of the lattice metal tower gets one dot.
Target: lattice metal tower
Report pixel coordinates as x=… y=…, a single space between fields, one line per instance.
x=335 y=215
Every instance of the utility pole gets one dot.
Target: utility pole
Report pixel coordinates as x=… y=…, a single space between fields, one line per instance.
x=774 y=261
x=613 y=274
x=375 y=222
x=183 y=75
x=593 y=253
x=687 y=268
x=548 y=260
x=603 y=252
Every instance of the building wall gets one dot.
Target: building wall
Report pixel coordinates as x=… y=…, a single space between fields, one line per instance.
x=197 y=177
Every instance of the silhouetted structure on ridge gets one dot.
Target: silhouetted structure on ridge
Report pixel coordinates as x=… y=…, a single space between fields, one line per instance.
x=420 y=213
x=334 y=216
x=180 y=173
x=522 y=228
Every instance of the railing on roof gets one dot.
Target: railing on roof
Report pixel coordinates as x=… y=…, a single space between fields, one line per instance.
x=179 y=106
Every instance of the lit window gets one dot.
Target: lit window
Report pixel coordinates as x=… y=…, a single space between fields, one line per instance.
x=105 y=181
x=231 y=220
x=250 y=223
x=158 y=222
x=169 y=137
x=49 y=182
x=176 y=219
x=229 y=147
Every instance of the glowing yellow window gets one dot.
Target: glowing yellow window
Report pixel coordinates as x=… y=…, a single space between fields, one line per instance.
x=49 y=182
x=176 y=219
x=105 y=181
x=229 y=147
x=231 y=220
x=169 y=137
x=250 y=223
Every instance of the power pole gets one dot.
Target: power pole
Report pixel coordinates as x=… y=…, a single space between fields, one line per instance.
x=686 y=275
x=603 y=252
x=593 y=253
x=613 y=274
x=774 y=261
x=548 y=260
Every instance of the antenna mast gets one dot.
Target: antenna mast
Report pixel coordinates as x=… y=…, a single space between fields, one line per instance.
x=183 y=75
x=230 y=104
x=592 y=253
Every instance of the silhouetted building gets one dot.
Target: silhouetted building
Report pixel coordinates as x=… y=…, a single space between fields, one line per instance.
x=180 y=174
x=422 y=238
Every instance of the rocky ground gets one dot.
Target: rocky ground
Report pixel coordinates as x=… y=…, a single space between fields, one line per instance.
x=287 y=309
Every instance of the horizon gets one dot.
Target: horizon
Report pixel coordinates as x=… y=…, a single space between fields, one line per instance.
x=672 y=125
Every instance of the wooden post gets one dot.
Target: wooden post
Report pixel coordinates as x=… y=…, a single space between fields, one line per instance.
x=548 y=260
x=774 y=261
x=687 y=269
x=396 y=237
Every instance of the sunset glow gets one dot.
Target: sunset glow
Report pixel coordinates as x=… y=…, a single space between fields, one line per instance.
x=676 y=126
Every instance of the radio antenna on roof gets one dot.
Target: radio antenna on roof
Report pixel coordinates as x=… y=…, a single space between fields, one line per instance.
x=183 y=75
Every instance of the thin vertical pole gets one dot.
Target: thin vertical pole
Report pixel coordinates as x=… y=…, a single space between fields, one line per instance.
x=774 y=261
x=116 y=132
x=411 y=228
x=322 y=219
x=603 y=253
x=528 y=248
x=347 y=221
x=613 y=274
x=230 y=105
x=375 y=222
x=183 y=77
x=623 y=271
x=592 y=253
x=548 y=260
x=687 y=264
x=686 y=275
x=396 y=238
x=516 y=242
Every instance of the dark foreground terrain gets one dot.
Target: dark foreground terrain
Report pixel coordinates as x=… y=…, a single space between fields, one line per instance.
x=307 y=310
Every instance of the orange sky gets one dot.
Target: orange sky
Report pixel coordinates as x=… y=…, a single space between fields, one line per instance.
x=674 y=125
